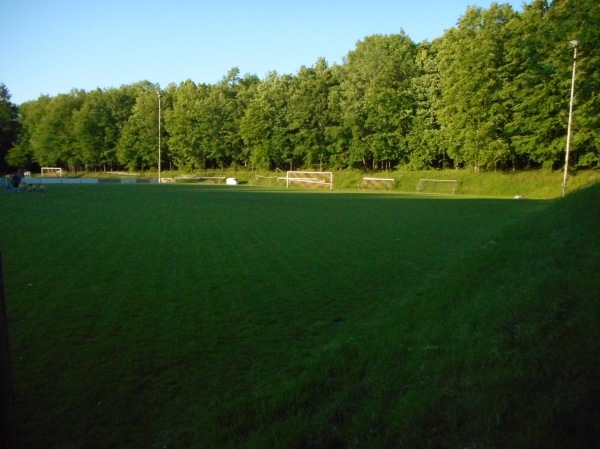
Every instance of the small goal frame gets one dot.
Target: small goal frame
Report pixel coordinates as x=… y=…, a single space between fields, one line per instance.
x=385 y=183
x=52 y=170
x=454 y=183
x=309 y=178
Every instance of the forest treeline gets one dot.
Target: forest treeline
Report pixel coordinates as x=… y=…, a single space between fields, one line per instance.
x=492 y=92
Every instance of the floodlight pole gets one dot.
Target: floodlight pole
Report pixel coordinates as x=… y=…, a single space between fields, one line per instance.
x=158 y=93
x=564 y=184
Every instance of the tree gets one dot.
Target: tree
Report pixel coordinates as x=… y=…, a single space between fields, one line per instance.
x=535 y=128
x=9 y=127
x=48 y=132
x=222 y=115
x=265 y=128
x=492 y=92
x=541 y=64
x=377 y=98
x=31 y=115
x=118 y=104
x=95 y=130
x=424 y=139
x=473 y=109
x=308 y=114
x=137 y=147
x=568 y=20
x=183 y=124
x=246 y=89
x=338 y=132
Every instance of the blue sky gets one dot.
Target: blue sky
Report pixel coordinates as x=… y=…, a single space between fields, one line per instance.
x=52 y=46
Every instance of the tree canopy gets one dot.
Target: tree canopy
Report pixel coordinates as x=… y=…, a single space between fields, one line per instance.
x=9 y=125
x=491 y=93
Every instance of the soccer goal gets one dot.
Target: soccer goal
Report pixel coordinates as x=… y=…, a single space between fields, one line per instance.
x=437 y=186
x=377 y=183
x=310 y=178
x=267 y=180
x=199 y=179
x=52 y=172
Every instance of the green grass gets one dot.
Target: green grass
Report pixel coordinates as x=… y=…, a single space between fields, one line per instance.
x=186 y=316
x=535 y=183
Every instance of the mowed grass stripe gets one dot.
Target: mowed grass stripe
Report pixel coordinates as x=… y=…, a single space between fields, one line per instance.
x=147 y=314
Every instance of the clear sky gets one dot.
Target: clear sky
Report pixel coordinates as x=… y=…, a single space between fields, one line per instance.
x=53 y=46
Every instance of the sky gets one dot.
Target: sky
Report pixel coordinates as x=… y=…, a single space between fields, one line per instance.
x=49 y=47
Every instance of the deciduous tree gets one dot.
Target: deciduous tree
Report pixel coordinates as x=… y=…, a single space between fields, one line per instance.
x=9 y=126
x=137 y=147
x=265 y=128
x=474 y=110
x=377 y=98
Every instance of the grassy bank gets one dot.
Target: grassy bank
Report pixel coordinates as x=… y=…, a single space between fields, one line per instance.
x=542 y=184
x=533 y=184
x=179 y=316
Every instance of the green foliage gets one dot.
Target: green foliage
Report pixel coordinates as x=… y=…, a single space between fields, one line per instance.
x=424 y=136
x=48 y=123
x=96 y=129
x=137 y=147
x=309 y=115
x=491 y=93
x=264 y=127
x=376 y=97
x=182 y=123
x=9 y=128
x=473 y=109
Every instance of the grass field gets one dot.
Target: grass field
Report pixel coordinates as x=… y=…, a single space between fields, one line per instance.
x=146 y=316
x=533 y=184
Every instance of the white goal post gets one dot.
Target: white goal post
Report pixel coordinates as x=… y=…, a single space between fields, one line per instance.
x=437 y=186
x=310 y=178
x=377 y=183
x=52 y=171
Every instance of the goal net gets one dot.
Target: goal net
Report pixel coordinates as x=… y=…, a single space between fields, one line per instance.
x=267 y=180
x=310 y=179
x=53 y=172
x=377 y=183
x=437 y=186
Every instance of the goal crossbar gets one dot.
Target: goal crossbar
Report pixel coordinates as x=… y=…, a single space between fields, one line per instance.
x=387 y=183
x=321 y=178
x=422 y=182
x=52 y=170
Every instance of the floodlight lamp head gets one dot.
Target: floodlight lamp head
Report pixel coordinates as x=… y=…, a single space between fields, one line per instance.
x=574 y=43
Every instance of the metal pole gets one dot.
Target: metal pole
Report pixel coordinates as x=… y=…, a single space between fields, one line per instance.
x=564 y=184
x=158 y=93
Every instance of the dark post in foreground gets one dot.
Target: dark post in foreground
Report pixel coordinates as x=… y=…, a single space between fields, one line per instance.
x=7 y=436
